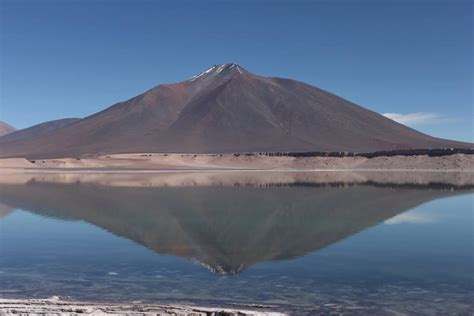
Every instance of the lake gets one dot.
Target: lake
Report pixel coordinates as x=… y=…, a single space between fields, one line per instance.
x=304 y=242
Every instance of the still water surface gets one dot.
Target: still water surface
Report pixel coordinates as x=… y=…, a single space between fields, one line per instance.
x=304 y=245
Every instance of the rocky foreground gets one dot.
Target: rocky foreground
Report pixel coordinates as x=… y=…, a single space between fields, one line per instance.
x=55 y=306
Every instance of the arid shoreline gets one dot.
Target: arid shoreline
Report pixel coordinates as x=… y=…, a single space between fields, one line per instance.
x=56 y=306
x=189 y=162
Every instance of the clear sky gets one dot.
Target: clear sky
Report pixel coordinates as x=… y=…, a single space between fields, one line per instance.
x=411 y=59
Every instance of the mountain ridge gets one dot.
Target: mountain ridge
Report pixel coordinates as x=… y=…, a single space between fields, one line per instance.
x=6 y=129
x=228 y=109
x=37 y=130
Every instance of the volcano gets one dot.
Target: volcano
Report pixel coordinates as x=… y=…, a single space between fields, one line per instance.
x=227 y=109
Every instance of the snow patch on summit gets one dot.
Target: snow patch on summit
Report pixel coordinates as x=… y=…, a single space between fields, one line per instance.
x=232 y=66
x=205 y=72
x=218 y=69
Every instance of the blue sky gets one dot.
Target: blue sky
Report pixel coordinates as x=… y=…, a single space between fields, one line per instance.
x=412 y=59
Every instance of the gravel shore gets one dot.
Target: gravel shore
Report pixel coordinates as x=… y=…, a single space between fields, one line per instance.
x=55 y=306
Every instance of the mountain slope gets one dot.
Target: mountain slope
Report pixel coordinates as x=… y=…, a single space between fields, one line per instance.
x=6 y=129
x=37 y=130
x=228 y=109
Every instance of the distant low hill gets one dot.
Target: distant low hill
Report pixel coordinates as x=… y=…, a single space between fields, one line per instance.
x=6 y=128
x=228 y=109
x=37 y=130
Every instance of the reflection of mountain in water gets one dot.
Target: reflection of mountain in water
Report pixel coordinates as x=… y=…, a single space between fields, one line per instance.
x=224 y=228
x=5 y=210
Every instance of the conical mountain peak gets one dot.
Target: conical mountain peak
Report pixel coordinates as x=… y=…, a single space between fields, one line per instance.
x=226 y=109
x=220 y=70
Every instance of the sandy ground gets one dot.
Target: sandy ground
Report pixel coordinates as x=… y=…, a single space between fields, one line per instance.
x=54 y=306
x=144 y=161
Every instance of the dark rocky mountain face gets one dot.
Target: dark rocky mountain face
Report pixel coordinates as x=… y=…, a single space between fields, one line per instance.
x=37 y=130
x=228 y=109
x=6 y=128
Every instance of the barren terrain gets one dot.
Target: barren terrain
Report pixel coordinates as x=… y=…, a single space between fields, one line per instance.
x=55 y=306
x=146 y=161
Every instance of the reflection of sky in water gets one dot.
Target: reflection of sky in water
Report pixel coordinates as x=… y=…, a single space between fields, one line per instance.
x=427 y=251
x=436 y=233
